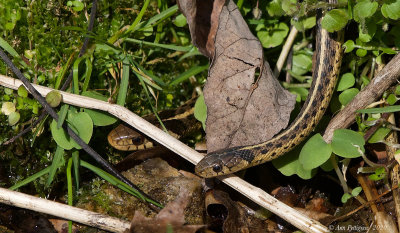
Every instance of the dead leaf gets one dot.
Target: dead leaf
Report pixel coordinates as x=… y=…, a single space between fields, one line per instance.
x=243 y=108
x=202 y=17
x=171 y=217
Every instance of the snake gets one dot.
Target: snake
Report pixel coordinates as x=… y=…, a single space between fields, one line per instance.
x=179 y=122
x=326 y=68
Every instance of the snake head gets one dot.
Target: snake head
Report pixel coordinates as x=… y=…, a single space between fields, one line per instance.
x=223 y=162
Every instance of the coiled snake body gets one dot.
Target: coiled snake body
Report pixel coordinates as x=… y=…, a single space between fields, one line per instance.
x=180 y=122
x=325 y=72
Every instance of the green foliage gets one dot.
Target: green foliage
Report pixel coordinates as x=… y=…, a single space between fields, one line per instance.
x=302 y=63
x=379 y=135
x=58 y=161
x=13 y=118
x=10 y=13
x=346 y=81
x=99 y=118
x=200 y=111
x=22 y=91
x=391 y=9
x=142 y=58
x=347 y=143
x=349 y=46
x=53 y=98
x=315 y=152
x=75 y=5
x=272 y=35
x=346 y=96
x=335 y=20
x=80 y=123
x=274 y=8
x=395 y=108
x=355 y=192
x=379 y=174
x=180 y=20
x=304 y=24
x=391 y=99
x=364 y=9
x=304 y=160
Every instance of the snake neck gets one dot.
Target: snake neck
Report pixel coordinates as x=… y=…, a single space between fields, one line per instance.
x=327 y=67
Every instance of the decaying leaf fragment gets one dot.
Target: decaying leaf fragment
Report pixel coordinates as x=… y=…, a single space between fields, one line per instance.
x=171 y=217
x=246 y=104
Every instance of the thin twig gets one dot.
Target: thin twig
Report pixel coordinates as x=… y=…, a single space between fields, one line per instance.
x=253 y=193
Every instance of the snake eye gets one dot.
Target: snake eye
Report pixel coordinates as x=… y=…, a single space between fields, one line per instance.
x=217 y=168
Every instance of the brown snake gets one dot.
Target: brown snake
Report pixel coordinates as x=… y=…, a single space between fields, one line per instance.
x=179 y=122
x=328 y=56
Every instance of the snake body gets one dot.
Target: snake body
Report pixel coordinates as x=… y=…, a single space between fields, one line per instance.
x=325 y=72
x=180 y=122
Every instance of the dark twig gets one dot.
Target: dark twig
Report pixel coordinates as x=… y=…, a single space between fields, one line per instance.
x=382 y=81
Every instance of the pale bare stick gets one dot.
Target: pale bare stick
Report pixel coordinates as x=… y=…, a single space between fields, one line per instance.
x=85 y=217
x=285 y=51
x=255 y=194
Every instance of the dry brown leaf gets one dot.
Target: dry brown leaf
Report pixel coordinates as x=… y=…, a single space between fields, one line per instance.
x=239 y=112
x=172 y=217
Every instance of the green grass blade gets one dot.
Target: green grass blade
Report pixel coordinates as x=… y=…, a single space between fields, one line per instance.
x=139 y=17
x=7 y=47
x=57 y=162
x=394 y=108
x=187 y=74
x=69 y=182
x=123 y=88
x=192 y=53
x=38 y=129
x=157 y=18
x=149 y=100
x=153 y=77
x=70 y=190
x=62 y=74
x=30 y=179
x=75 y=159
x=88 y=73
x=164 y=46
x=62 y=115
x=146 y=79
x=114 y=181
x=75 y=72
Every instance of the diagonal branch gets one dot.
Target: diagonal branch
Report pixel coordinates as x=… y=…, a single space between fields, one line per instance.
x=382 y=81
